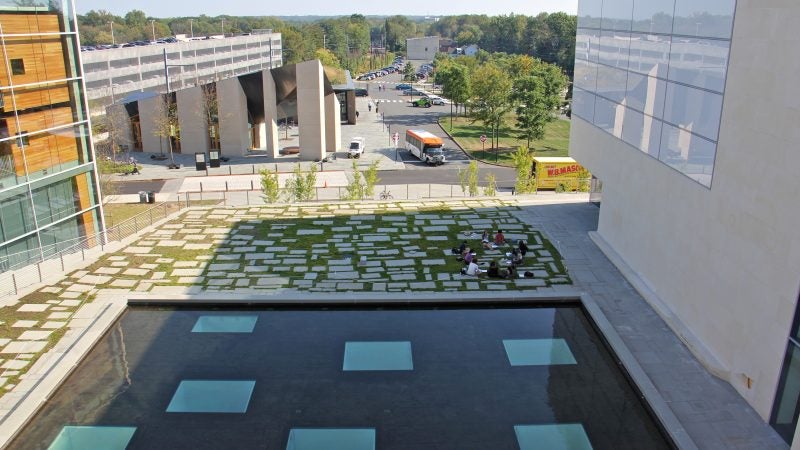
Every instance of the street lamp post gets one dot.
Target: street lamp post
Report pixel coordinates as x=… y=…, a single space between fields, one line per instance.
x=112 y=33
x=153 y=26
x=223 y=27
x=191 y=27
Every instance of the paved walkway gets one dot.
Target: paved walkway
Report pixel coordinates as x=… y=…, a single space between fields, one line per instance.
x=381 y=248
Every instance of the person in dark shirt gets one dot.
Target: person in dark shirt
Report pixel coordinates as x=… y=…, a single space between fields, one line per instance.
x=493 y=271
x=523 y=249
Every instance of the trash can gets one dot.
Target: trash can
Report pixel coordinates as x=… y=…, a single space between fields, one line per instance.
x=151 y=197
x=213 y=158
x=200 y=161
x=143 y=197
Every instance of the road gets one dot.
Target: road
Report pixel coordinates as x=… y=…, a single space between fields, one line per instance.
x=400 y=116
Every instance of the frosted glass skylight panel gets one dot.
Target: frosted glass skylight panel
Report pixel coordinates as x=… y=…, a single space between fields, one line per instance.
x=378 y=356
x=538 y=352
x=225 y=324
x=212 y=396
x=560 y=436
x=92 y=438
x=331 y=439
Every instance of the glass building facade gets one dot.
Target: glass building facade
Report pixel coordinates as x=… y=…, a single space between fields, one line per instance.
x=48 y=191
x=652 y=73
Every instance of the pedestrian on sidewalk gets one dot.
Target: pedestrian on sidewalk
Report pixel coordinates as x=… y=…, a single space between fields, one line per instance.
x=376 y=107
x=369 y=106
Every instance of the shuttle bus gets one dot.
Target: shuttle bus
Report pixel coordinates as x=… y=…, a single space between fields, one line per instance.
x=425 y=145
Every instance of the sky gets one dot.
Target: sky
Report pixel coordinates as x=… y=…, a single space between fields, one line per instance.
x=189 y=8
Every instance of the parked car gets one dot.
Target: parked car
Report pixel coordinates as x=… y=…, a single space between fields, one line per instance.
x=356 y=147
x=413 y=92
x=403 y=86
x=361 y=92
x=436 y=100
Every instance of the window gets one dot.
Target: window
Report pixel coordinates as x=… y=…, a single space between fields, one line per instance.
x=17 y=67
x=786 y=408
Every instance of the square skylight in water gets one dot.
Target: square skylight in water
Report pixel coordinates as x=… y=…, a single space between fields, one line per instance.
x=378 y=356
x=559 y=436
x=92 y=438
x=538 y=352
x=212 y=396
x=225 y=324
x=331 y=439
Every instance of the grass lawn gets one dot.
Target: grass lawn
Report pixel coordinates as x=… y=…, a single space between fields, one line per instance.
x=467 y=134
x=116 y=213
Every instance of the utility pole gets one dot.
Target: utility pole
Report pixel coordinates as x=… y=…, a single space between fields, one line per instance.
x=112 y=33
x=223 y=27
x=153 y=26
x=191 y=27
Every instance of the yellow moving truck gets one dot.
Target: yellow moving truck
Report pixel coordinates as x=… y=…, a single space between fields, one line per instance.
x=560 y=173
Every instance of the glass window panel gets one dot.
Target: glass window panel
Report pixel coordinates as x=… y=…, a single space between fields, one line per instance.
x=705 y=18
x=642 y=131
x=583 y=104
x=609 y=116
x=61 y=236
x=693 y=110
x=587 y=43
x=699 y=62
x=611 y=83
x=55 y=201
x=688 y=153
x=589 y=13
x=784 y=413
x=617 y=14
x=649 y=54
x=585 y=75
x=614 y=48
x=16 y=215
x=653 y=16
x=19 y=252
x=646 y=94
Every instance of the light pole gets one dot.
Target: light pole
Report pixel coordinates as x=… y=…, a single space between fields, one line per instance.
x=112 y=33
x=223 y=27
x=153 y=26
x=191 y=27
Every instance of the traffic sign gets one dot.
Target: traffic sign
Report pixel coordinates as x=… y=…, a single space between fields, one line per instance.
x=483 y=138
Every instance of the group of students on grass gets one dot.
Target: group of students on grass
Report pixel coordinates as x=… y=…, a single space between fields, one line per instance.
x=470 y=258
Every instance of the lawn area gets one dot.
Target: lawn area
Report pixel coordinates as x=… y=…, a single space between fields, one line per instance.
x=324 y=248
x=116 y=213
x=467 y=134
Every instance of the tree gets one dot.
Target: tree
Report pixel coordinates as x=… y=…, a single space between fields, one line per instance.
x=300 y=186
x=327 y=58
x=209 y=112
x=491 y=88
x=409 y=72
x=363 y=183
x=136 y=18
x=491 y=185
x=472 y=178
x=523 y=162
x=270 y=185
x=165 y=123
x=536 y=97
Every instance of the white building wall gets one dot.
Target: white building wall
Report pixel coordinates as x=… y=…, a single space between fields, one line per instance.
x=311 y=110
x=151 y=113
x=192 y=120
x=233 y=130
x=333 y=124
x=422 y=48
x=722 y=265
x=270 y=115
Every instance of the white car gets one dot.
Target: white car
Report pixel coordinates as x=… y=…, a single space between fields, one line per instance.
x=436 y=100
x=356 y=147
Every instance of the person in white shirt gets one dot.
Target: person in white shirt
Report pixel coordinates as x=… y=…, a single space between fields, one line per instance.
x=473 y=270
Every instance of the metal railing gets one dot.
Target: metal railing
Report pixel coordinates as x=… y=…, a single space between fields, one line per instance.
x=244 y=195
x=18 y=276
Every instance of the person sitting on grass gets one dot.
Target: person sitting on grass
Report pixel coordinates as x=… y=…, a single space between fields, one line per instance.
x=472 y=269
x=516 y=257
x=469 y=256
x=499 y=238
x=460 y=249
x=510 y=272
x=523 y=248
x=493 y=271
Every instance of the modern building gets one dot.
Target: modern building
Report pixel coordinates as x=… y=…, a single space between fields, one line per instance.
x=48 y=181
x=235 y=115
x=424 y=48
x=113 y=74
x=687 y=113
